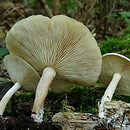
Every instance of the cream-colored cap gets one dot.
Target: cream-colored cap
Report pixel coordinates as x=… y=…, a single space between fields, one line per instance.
x=60 y=85
x=20 y=71
x=116 y=63
x=61 y=43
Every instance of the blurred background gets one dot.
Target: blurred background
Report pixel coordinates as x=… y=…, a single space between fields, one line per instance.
x=106 y=19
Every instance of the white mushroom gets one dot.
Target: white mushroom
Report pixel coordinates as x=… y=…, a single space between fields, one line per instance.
x=7 y=97
x=115 y=72
x=22 y=74
x=59 y=47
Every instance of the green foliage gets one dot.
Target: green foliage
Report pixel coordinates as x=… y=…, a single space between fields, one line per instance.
x=18 y=99
x=47 y=113
x=68 y=7
x=3 y=52
x=124 y=15
x=122 y=98
x=32 y=3
x=49 y=2
x=66 y=107
x=23 y=96
x=83 y=99
x=119 y=45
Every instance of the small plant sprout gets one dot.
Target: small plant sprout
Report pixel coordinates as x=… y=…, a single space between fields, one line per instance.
x=22 y=74
x=61 y=49
x=115 y=74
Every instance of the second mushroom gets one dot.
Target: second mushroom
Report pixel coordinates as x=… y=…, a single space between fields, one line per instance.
x=116 y=74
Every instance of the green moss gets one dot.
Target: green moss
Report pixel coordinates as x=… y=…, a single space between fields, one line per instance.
x=122 y=98
x=118 y=45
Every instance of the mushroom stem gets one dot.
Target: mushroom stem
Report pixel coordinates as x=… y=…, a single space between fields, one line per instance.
x=41 y=93
x=7 y=97
x=109 y=93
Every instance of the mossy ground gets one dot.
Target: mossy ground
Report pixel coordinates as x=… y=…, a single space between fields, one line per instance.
x=77 y=99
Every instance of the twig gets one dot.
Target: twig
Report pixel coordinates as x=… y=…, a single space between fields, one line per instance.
x=11 y=10
x=56 y=5
x=46 y=8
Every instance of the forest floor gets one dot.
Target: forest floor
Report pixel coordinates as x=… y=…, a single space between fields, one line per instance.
x=18 y=111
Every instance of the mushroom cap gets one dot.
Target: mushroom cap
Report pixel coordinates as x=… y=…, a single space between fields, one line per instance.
x=116 y=63
x=60 y=85
x=61 y=43
x=20 y=71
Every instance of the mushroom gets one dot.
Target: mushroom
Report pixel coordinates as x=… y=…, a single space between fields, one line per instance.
x=22 y=74
x=115 y=72
x=59 y=48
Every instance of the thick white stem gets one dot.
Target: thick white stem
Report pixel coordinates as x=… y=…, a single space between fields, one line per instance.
x=109 y=93
x=7 y=97
x=41 y=93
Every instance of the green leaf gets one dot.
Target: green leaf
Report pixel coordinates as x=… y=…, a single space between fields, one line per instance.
x=112 y=15
x=125 y=14
x=3 y=52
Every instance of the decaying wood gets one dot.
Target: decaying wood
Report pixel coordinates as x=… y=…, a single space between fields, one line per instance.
x=46 y=8
x=117 y=118
x=75 y=121
x=117 y=115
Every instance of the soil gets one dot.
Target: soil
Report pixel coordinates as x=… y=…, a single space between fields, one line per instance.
x=25 y=123
x=17 y=116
